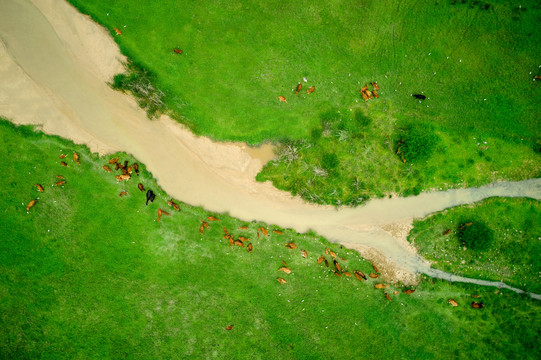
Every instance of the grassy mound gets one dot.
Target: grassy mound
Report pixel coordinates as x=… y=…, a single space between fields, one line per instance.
x=86 y=273
x=473 y=61
x=507 y=250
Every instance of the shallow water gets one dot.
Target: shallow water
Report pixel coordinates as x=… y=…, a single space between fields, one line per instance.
x=46 y=81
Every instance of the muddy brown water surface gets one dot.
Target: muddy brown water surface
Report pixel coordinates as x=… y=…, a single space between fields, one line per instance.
x=54 y=65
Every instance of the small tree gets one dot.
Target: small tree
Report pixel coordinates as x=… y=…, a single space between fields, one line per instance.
x=418 y=142
x=475 y=235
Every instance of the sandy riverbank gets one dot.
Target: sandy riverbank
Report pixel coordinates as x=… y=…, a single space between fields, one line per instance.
x=54 y=65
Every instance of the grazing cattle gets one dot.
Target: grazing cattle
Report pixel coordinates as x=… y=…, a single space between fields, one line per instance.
x=277 y=232
x=446 y=232
x=201 y=229
x=387 y=296
x=107 y=168
x=477 y=305
x=62 y=156
x=364 y=88
x=117 y=166
x=125 y=164
x=347 y=273
x=299 y=87
x=410 y=291
x=136 y=168
x=212 y=218
x=242 y=238
x=537 y=77
x=380 y=286
x=162 y=212
x=326 y=263
x=304 y=253
x=475 y=296
x=368 y=94
x=311 y=90
x=124 y=171
x=285 y=269
x=225 y=231
x=452 y=302
x=141 y=187
x=123 y=193
x=263 y=231
x=326 y=251
x=59 y=177
x=283 y=262
x=375 y=94
x=76 y=157
x=124 y=177
x=243 y=228
x=229 y=327
x=282 y=99
x=114 y=160
x=173 y=204
x=63 y=163
x=373 y=276
x=343 y=259
x=118 y=178
x=60 y=183
x=130 y=169
x=321 y=259
x=337 y=273
x=31 y=204
x=337 y=265
x=375 y=85
x=150 y=196
x=291 y=245
x=231 y=240
x=205 y=224
x=238 y=243
x=396 y=292
x=464 y=225
x=332 y=253
x=375 y=268
x=365 y=97
x=281 y=281
x=117 y=31
x=250 y=247
x=359 y=275
x=419 y=96
x=177 y=51
x=40 y=188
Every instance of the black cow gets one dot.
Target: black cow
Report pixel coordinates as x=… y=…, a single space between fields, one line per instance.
x=150 y=196
x=419 y=96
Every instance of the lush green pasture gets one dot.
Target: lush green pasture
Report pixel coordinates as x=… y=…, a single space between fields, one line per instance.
x=474 y=61
x=513 y=256
x=88 y=274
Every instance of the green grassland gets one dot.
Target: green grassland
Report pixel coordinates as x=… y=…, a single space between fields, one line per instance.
x=87 y=274
x=474 y=60
x=513 y=255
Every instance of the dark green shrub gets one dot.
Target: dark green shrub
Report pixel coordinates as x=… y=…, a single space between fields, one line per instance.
x=419 y=141
x=316 y=133
x=329 y=161
x=361 y=119
x=476 y=236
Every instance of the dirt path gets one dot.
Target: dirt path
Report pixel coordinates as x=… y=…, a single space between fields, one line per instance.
x=54 y=64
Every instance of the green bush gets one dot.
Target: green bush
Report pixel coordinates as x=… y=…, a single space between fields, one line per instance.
x=362 y=119
x=419 y=141
x=476 y=236
x=329 y=161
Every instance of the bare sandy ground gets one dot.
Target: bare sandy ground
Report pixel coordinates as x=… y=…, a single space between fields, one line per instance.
x=54 y=65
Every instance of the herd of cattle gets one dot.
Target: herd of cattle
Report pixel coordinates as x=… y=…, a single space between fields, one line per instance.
x=240 y=241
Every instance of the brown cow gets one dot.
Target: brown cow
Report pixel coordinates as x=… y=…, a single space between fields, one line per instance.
x=373 y=276
x=285 y=269
x=124 y=193
x=281 y=281
x=212 y=218
x=130 y=169
x=59 y=177
x=136 y=168
x=282 y=99
x=311 y=90
x=242 y=238
x=332 y=253
x=63 y=163
x=278 y=232
x=291 y=245
x=304 y=253
x=477 y=305
x=60 y=183
x=364 y=88
x=229 y=327
x=177 y=51
x=347 y=273
x=124 y=177
x=205 y=224
x=380 y=286
x=243 y=228
x=31 y=204
x=238 y=243
x=375 y=85
x=375 y=268
x=365 y=97
x=40 y=188
x=464 y=225
x=62 y=156
x=117 y=166
x=375 y=94
x=283 y=262
x=141 y=187
x=107 y=168
x=446 y=232
x=337 y=265
x=537 y=77
x=250 y=247
x=359 y=275
x=410 y=291
x=337 y=273
x=387 y=296
x=326 y=263
x=173 y=204
x=201 y=229
x=114 y=160
x=162 y=212
x=321 y=259
x=231 y=242
x=452 y=302
x=76 y=157
x=263 y=231
x=396 y=292
x=299 y=87
x=117 y=31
